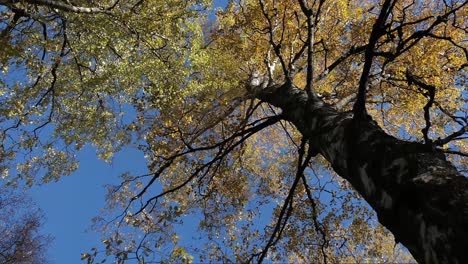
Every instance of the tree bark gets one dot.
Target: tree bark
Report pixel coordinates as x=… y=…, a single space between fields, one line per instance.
x=418 y=195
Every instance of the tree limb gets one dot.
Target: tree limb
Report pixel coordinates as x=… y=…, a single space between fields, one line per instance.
x=63 y=6
x=378 y=30
x=431 y=94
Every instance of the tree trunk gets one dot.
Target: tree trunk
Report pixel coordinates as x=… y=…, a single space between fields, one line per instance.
x=418 y=195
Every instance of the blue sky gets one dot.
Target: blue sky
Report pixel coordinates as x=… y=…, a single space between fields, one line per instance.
x=71 y=203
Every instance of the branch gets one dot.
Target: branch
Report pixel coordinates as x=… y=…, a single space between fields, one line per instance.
x=63 y=6
x=245 y=134
x=311 y=24
x=344 y=101
x=317 y=226
x=449 y=39
x=51 y=89
x=441 y=142
x=431 y=94
x=286 y=210
x=378 y=30
x=455 y=152
x=406 y=44
x=276 y=47
x=352 y=51
x=17 y=14
x=71 y=8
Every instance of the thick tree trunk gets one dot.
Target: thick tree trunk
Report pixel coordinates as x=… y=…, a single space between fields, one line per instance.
x=417 y=194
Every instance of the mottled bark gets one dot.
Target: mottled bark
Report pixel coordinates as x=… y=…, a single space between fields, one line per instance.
x=417 y=194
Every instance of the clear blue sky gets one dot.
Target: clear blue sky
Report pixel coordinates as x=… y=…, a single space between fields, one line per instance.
x=70 y=204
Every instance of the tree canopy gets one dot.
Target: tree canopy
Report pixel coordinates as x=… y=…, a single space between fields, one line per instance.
x=232 y=106
x=20 y=220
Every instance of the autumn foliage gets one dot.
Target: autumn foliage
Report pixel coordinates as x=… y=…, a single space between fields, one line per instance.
x=174 y=80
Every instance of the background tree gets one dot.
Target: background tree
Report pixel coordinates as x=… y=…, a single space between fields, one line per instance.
x=231 y=114
x=21 y=241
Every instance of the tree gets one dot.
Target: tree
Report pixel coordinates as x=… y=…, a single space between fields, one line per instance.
x=21 y=241
x=232 y=113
